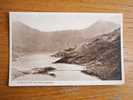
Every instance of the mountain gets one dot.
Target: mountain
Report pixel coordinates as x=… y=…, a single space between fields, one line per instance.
x=100 y=27
x=23 y=37
x=28 y=40
x=101 y=56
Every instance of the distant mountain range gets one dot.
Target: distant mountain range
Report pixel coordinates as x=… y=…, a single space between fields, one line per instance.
x=28 y=40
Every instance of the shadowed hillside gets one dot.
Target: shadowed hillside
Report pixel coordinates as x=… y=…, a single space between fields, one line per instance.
x=101 y=56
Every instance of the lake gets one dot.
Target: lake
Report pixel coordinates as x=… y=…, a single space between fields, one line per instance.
x=63 y=72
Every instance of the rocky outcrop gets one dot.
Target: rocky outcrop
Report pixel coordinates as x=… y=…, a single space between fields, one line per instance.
x=63 y=53
x=101 y=56
x=16 y=73
x=44 y=71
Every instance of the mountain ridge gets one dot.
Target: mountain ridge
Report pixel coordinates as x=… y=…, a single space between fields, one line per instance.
x=101 y=56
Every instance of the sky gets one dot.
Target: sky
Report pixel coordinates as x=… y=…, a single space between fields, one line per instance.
x=51 y=21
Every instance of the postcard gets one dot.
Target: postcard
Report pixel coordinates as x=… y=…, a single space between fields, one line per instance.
x=64 y=49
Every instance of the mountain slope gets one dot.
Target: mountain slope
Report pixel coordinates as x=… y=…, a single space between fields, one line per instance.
x=98 y=28
x=27 y=39
x=101 y=56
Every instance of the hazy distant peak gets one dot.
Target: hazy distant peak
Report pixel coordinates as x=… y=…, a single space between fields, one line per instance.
x=105 y=23
x=21 y=25
x=100 y=27
x=18 y=23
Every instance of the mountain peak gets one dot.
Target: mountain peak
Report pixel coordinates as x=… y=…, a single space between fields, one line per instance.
x=99 y=27
x=105 y=22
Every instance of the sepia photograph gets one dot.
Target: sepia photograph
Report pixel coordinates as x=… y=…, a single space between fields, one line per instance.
x=61 y=48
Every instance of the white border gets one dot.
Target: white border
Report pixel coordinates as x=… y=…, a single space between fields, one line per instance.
x=65 y=83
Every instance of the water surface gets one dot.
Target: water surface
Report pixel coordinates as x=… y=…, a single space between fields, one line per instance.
x=63 y=72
